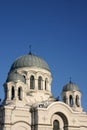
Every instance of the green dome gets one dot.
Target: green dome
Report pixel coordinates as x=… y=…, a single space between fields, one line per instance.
x=70 y=87
x=29 y=60
x=14 y=77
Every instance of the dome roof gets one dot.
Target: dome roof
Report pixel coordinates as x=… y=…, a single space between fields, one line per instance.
x=70 y=87
x=29 y=60
x=14 y=77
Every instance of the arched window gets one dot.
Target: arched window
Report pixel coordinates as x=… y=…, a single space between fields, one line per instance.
x=6 y=91
x=64 y=99
x=46 y=83
x=77 y=100
x=71 y=100
x=20 y=93
x=12 y=92
x=32 y=82
x=56 y=125
x=39 y=83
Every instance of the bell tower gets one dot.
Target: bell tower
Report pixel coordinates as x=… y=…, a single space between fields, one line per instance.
x=71 y=95
x=28 y=86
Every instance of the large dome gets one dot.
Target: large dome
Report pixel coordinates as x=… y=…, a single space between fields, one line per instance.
x=29 y=60
x=70 y=87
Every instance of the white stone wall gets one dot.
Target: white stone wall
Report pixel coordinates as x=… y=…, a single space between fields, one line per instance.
x=18 y=114
x=64 y=114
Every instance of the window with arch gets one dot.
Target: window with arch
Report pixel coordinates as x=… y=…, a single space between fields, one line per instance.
x=24 y=76
x=56 y=125
x=6 y=91
x=77 y=100
x=32 y=82
x=64 y=99
x=39 y=83
x=12 y=93
x=71 y=100
x=20 y=93
x=46 y=81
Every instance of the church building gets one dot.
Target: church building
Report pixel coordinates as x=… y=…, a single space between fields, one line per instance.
x=29 y=103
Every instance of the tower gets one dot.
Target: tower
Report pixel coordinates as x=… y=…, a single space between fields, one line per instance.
x=28 y=80
x=28 y=85
x=71 y=95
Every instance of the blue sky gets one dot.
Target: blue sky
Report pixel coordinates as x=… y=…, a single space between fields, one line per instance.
x=57 y=31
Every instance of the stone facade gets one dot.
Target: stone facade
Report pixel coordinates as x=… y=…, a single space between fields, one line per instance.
x=29 y=104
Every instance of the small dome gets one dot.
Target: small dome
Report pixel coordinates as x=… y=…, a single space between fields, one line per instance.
x=29 y=60
x=70 y=87
x=14 y=77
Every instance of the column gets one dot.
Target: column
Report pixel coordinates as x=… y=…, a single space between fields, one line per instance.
x=43 y=85
x=16 y=94
x=8 y=93
x=36 y=84
x=28 y=83
x=74 y=102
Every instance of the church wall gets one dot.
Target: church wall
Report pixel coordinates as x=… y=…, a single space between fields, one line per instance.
x=21 y=126
x=44 y=128
x=16 y=117
x=62 y=113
